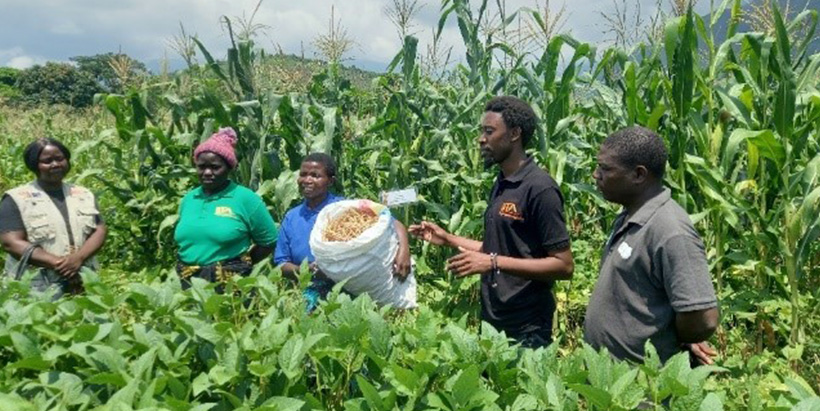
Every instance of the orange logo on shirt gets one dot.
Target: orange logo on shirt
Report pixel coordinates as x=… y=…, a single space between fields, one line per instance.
x=509 y=210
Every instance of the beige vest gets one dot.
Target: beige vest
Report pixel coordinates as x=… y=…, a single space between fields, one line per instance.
x=45 y=224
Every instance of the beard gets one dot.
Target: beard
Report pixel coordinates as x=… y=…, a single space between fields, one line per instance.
x=489 y=162
x=488 y=159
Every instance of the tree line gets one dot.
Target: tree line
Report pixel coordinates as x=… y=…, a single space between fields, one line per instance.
x=71 y=83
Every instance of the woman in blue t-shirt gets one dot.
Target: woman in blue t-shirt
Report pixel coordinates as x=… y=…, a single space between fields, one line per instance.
x=316 y=175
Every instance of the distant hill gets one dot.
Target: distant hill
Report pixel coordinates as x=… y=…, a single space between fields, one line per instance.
x=290 y=72
x=286 y=73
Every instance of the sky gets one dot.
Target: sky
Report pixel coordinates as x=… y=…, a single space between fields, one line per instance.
x=35 y=31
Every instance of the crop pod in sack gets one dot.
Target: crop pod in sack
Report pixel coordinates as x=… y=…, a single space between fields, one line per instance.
x=366 y=262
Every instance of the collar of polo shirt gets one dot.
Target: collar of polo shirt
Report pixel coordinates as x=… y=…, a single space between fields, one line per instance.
x=519 y=175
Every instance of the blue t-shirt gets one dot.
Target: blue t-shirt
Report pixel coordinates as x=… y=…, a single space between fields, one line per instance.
x=294 y=232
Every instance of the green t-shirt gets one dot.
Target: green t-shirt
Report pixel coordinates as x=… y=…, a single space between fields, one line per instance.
x=223 y=225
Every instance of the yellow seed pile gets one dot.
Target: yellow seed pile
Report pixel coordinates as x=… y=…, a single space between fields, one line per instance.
x=349 y=225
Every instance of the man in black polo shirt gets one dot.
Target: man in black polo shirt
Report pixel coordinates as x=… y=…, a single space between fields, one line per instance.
x=654 y=282
x=526 y=245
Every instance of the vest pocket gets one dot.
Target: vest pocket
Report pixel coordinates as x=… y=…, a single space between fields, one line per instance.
x=41 y=231
x=88 y=220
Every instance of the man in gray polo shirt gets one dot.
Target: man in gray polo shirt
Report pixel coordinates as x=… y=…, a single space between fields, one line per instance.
x=654 y=281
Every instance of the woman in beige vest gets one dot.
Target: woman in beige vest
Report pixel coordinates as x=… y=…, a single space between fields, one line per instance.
x=50 y=224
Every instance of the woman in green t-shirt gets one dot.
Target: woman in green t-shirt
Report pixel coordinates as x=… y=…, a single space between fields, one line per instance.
x=223 y=228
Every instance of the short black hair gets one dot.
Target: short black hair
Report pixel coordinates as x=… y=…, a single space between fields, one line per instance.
x=634 y=146
x=516 y=113
x=31 y=155
x=323 y=159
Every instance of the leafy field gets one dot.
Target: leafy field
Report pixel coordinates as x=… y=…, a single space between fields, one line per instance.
x=741 y=119
x=148 y=345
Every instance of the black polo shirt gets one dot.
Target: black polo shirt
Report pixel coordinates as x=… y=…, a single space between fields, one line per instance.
x=524 y=219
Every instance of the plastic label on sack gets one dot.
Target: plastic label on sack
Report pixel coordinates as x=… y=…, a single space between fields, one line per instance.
x=371 y=207
x=399 y=197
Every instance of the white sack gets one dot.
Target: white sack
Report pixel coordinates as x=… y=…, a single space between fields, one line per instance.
x=366 y=262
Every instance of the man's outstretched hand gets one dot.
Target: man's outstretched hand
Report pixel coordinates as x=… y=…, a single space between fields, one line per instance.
x=429 y=232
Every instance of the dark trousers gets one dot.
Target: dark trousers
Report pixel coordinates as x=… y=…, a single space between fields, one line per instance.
x=219 y=272
x=532 y=336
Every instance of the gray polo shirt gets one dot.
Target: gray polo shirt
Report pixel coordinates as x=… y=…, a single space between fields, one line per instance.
x=653 y=266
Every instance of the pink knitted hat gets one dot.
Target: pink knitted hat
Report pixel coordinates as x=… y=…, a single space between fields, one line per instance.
x=220 y=143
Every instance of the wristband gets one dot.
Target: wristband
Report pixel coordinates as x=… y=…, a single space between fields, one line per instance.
x=494 y=262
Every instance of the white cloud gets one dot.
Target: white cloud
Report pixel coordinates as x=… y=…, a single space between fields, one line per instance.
x=21 y=62
x=16 y=57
